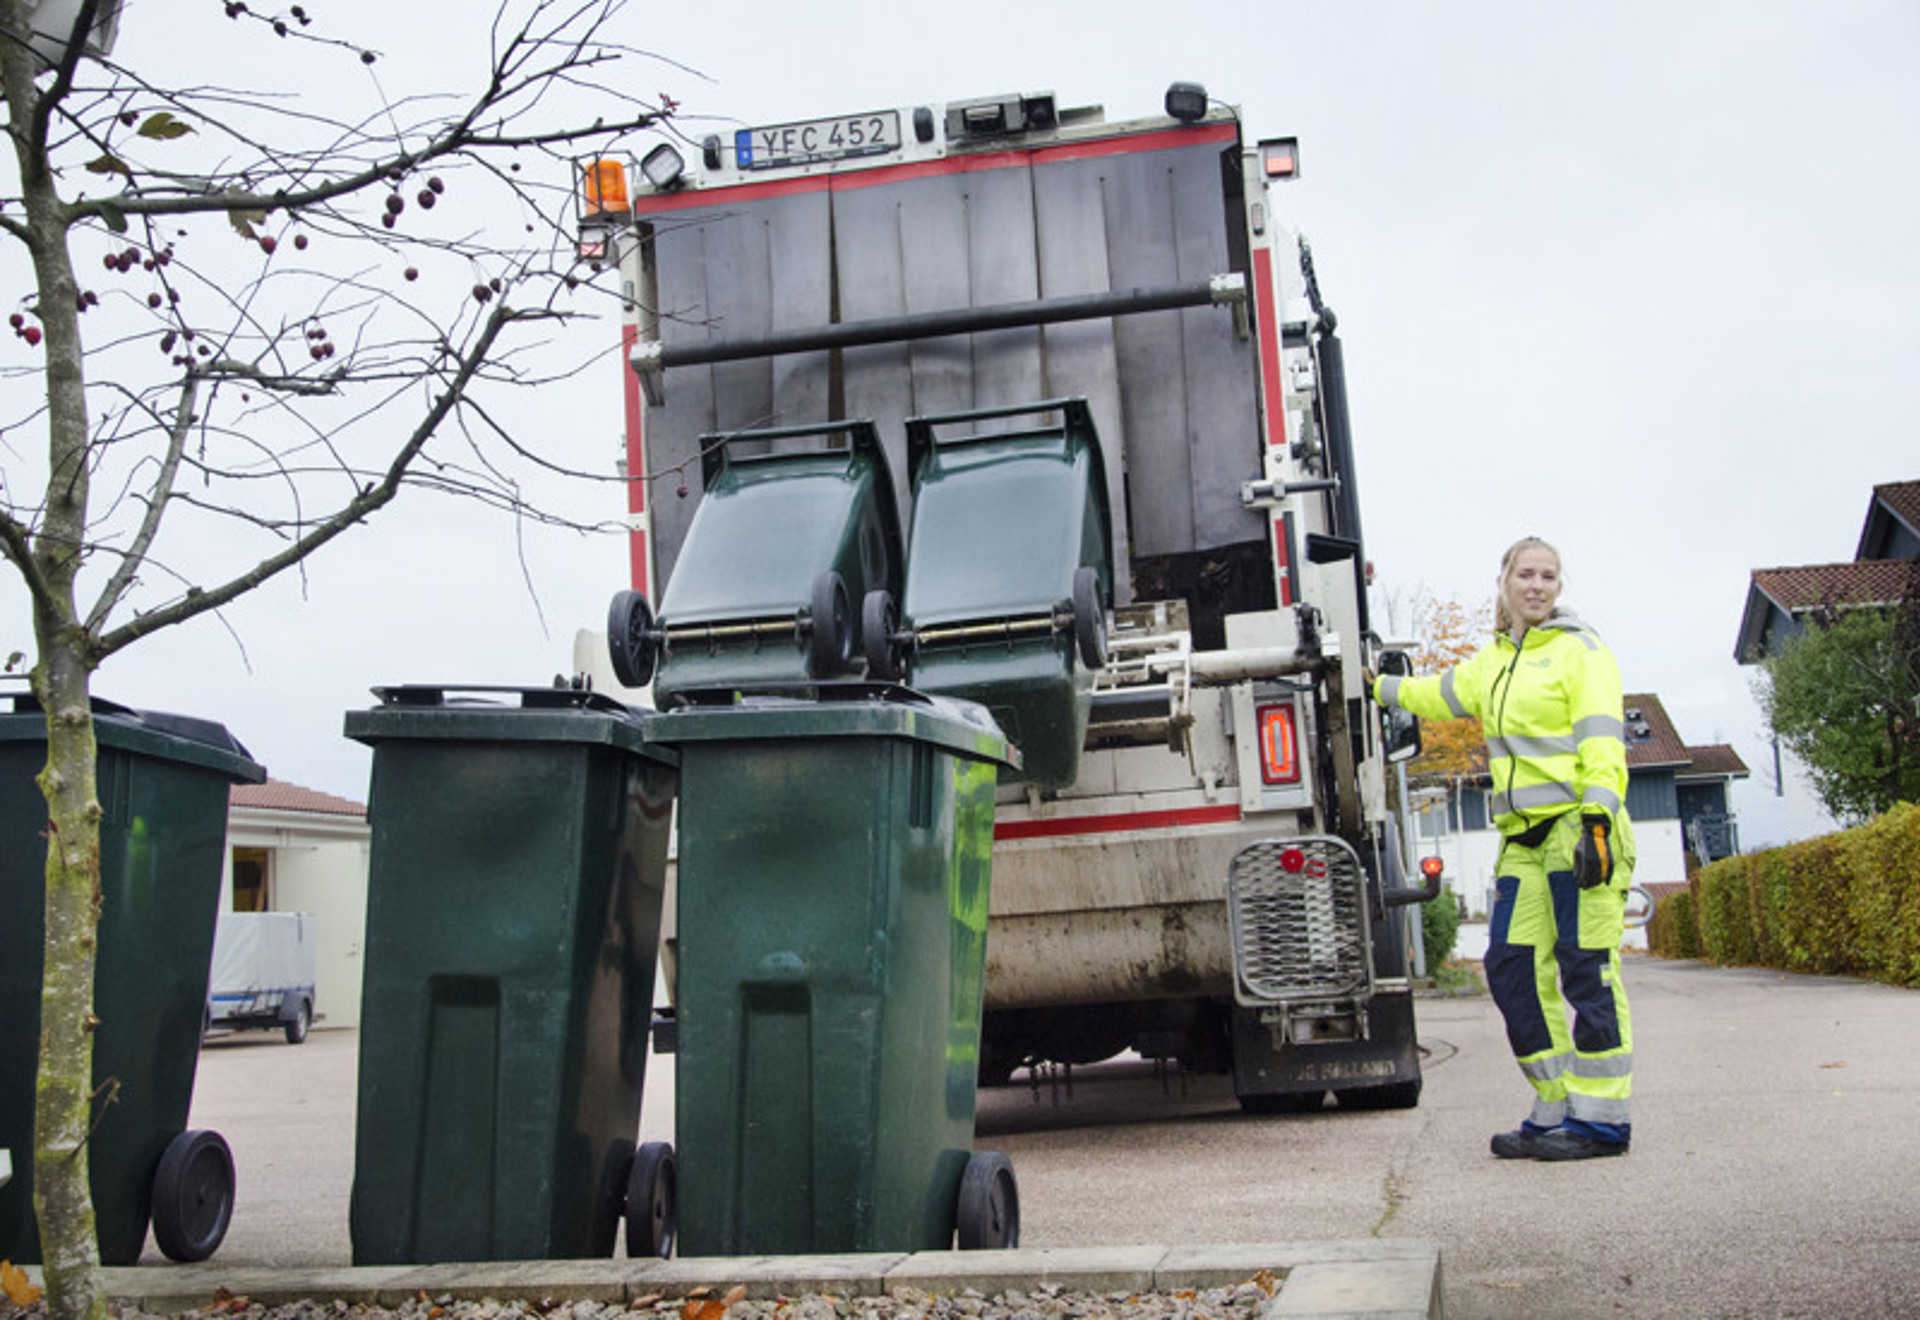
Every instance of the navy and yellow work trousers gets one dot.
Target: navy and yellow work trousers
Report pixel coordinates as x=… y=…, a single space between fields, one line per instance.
x=1554 y=946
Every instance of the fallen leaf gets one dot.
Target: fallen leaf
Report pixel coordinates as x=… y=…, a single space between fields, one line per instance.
x=20 y=1290
x=1835 y=1064
x=703 y=1310
x=737 y=1293
x=1267 y=1282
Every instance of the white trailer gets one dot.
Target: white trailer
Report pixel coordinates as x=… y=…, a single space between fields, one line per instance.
x=1220 y=884
x=261 y=975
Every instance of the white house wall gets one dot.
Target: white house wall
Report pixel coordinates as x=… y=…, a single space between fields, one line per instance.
x=316 y=864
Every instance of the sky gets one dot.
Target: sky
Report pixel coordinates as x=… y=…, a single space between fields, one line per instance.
x=1642 y=278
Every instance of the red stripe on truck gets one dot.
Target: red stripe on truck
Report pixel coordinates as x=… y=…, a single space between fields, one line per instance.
x=1116 y=823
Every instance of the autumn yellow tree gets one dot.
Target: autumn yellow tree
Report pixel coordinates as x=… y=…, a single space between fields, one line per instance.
x=1449 y=632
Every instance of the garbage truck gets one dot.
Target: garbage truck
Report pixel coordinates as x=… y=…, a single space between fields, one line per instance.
x=1080 y=374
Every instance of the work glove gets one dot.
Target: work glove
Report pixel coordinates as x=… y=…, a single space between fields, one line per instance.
x=1593 y=854
x=1369 y=678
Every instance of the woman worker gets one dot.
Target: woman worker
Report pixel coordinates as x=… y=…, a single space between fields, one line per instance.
x=1547 y=691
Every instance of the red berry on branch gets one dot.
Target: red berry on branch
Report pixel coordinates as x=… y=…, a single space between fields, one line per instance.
x=268 y=243
x=411 y=273
x=481 y=293
x=435 y=184
x=300 y=241
x=389 y=219
x=396 y=203
x=425 y=198
x=32 y=335
x=154 y=300
x=16 y=320
x=366 y=57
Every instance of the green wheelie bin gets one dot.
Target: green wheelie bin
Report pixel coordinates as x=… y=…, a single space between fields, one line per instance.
x=163 y=784
x=1009 y=575
x=797 y=527
x=835 y=856
x=513 y=912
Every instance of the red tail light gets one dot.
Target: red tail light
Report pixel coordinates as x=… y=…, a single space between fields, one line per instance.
x=1279 y=745
x=1431 y=867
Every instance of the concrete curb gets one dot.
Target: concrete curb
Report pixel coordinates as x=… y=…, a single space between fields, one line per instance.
x=1396 y=1279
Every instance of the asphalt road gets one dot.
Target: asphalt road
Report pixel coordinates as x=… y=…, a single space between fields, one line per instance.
x=1775 y=1168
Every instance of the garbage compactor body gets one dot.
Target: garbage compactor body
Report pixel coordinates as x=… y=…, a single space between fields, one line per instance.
x=163 y=785
x=833 y=877
x=796 y=527
x=513 y=913
x=1008 y=573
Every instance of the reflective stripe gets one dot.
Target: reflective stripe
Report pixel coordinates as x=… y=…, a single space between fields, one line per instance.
x=1598 y=795
x=1599 y=726
x=1553 y=794
x=1460 y=712
x=1545 y=1067
x=1549 y=1113
x=1592 y=1109
x=1610 y=1065
x=1390 y=690
x=1525 y=745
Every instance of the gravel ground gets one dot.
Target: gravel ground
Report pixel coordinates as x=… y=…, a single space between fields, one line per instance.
x=1245 y=1301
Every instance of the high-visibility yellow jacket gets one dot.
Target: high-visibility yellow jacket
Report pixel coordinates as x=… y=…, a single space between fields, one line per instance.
x=1551 y=712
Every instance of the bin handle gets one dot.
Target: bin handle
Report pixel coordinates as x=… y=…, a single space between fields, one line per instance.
x=842 y=690
x=863 y=440
x=921 y=440
x=529 y=697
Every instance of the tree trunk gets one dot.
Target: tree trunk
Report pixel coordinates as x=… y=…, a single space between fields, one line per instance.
x=63 y=1202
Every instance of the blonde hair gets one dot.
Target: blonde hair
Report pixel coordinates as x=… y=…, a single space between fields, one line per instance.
x=1502 y=616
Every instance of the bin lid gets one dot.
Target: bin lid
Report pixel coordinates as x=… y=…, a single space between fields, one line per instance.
x=850 y=709
x=490 y=713
x=158 y=734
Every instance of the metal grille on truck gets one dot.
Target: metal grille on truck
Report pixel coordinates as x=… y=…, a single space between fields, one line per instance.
x=1297 y=908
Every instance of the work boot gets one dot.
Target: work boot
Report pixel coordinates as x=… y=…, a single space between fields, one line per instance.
x=1520 y=1144
x=1564 y=1145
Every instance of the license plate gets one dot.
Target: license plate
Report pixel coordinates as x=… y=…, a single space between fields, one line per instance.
x=814 y=140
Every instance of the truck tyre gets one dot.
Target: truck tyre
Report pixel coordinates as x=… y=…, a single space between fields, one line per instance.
x=988 y=1215
x=653 y=1201
x=193 y=1196
x=1089 y=618
x=830 y=640
x=632 y=644
x=296 y=1026
x=879 y=621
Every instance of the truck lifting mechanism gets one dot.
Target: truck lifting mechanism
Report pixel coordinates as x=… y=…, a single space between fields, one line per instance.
x=1005 y=400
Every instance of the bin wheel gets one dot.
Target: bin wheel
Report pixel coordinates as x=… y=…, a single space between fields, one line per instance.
x=988 y=1216
x=632 y=643
x=193 y=1196
x=653 y=1201
x=296 y=1026
x=1089 y=618
x=830 y=641
x=879 y=621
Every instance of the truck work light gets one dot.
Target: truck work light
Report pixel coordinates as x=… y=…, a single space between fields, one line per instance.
x=663 y=167
x=1187 y=101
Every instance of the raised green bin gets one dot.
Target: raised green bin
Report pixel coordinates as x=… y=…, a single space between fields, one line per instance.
x=796 y=528
x=163 y=784
x=513 y=912
x=834 y=866
x=1009 y=573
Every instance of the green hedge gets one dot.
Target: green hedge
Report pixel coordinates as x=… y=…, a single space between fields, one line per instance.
x=1845 y=904
x=1439 y=927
